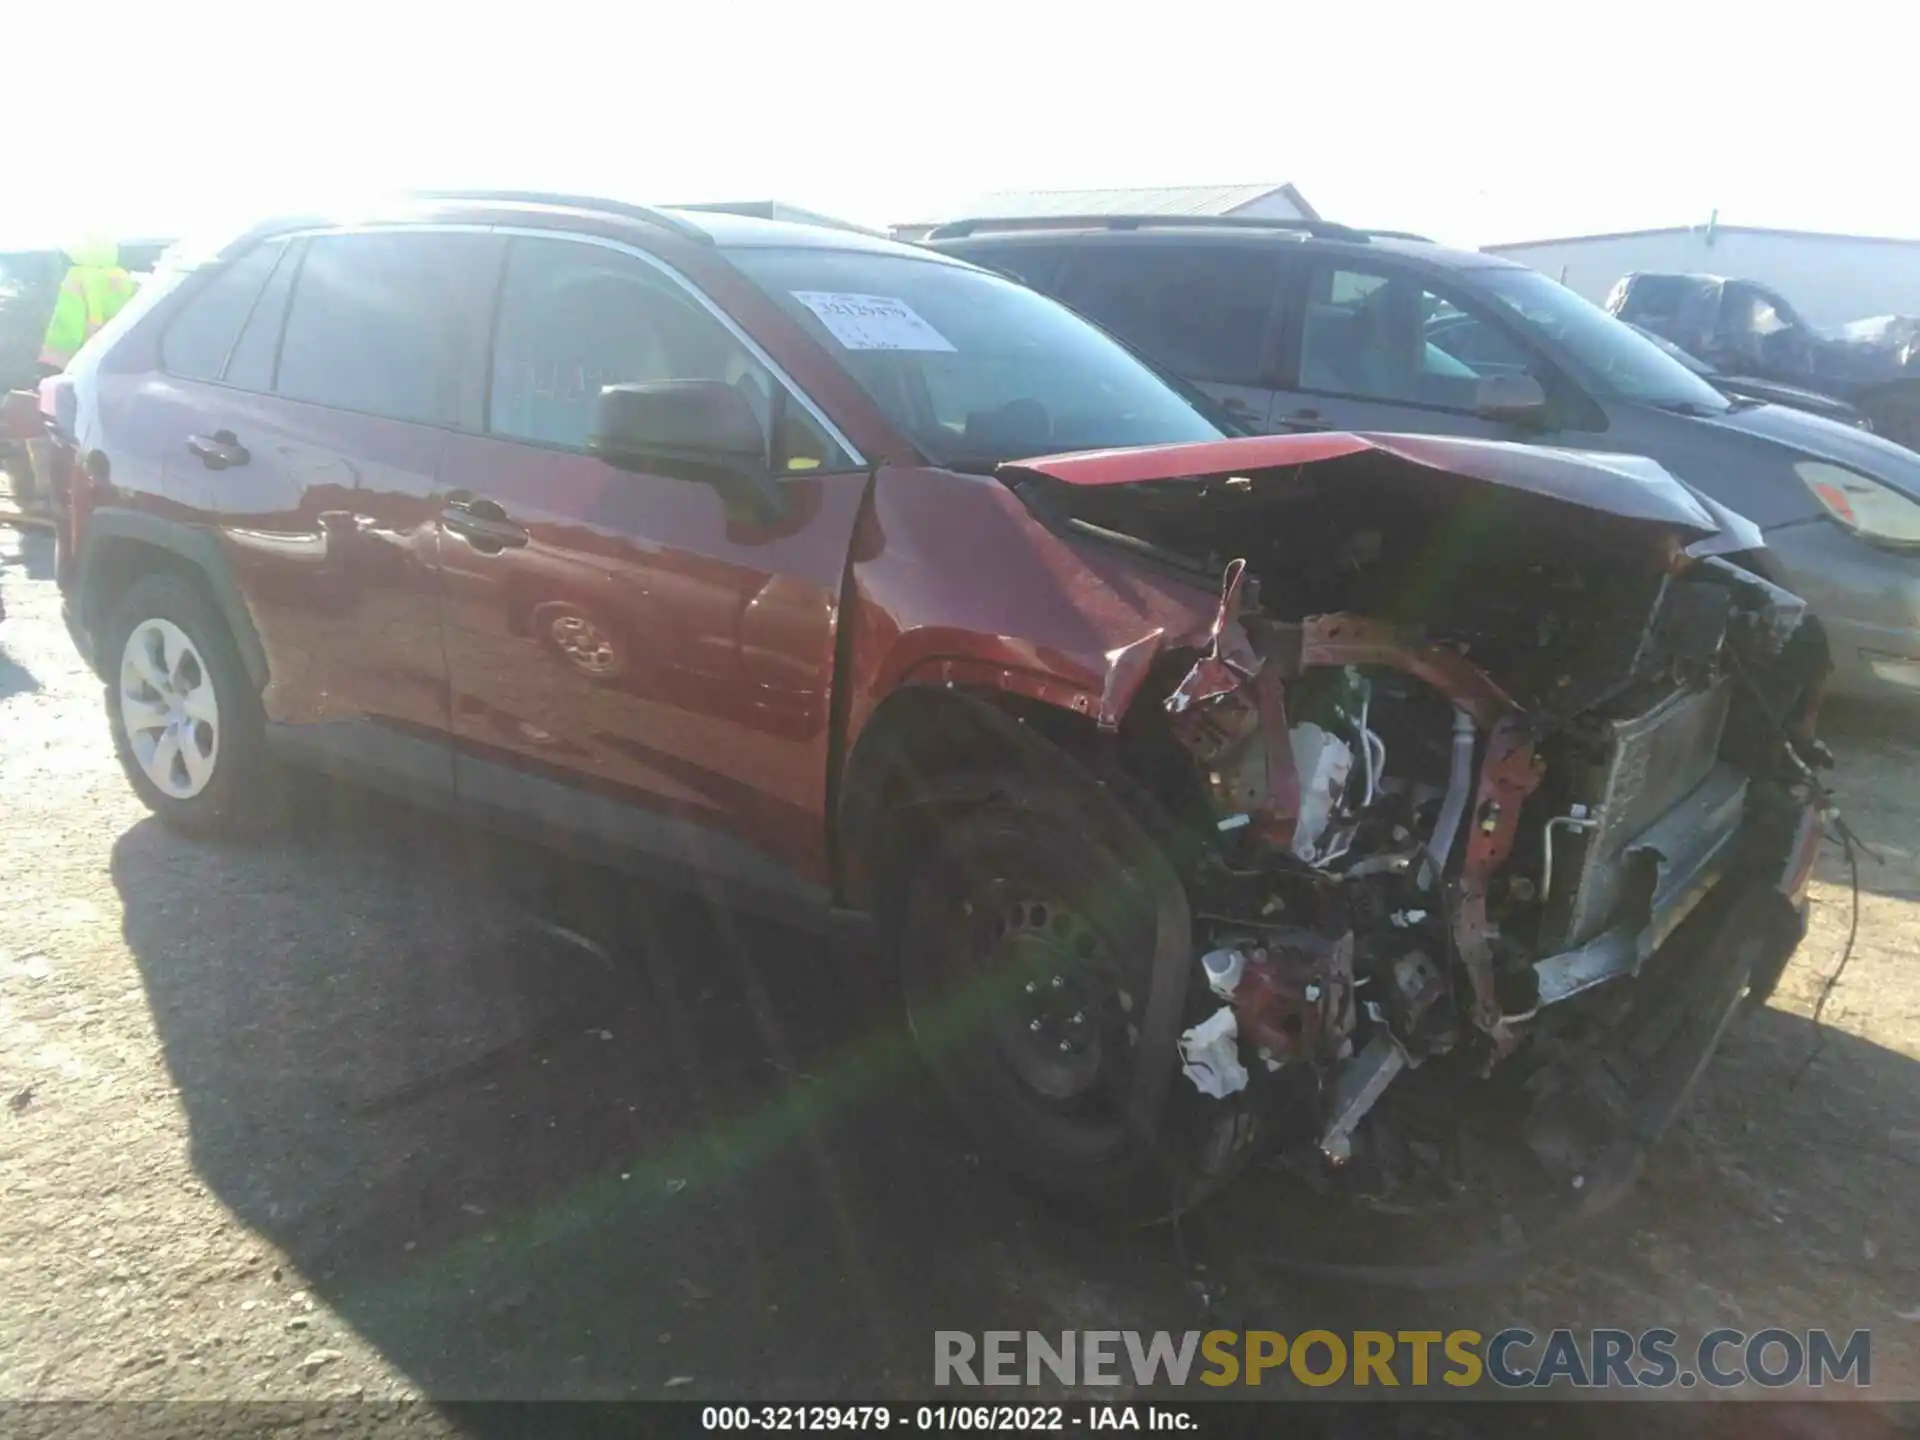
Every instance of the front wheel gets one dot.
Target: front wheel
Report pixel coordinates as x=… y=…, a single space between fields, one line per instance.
x=1026 y=941
x=187 y=724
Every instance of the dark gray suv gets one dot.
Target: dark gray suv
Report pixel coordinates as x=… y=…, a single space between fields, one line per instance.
x=1312 y=326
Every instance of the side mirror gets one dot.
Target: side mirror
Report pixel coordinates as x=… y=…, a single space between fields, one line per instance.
x=1515 y=399
x=702 y=430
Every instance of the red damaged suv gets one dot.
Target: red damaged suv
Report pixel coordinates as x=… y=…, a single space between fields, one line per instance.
x=1341 y=800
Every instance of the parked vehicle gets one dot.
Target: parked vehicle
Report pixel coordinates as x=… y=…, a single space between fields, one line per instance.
x=718 y=547
x=29 y=286
x=1768 y=392
x=1743 y=328
x=1303 y=326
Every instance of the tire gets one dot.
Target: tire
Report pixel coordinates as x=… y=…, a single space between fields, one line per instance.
x=1025 y=943
x=187 y=723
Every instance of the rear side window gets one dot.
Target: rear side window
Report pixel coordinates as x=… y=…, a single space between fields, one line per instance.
x=202 y=335
x=1203 y=311
x=250 y=367
x=1653 y=298
x=373 y=323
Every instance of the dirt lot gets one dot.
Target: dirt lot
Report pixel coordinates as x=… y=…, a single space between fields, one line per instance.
x=340 y=1114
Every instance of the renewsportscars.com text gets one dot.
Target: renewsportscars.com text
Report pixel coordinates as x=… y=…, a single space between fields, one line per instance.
x=1512 y=1358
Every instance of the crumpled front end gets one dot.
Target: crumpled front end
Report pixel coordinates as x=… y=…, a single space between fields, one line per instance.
x=1503 y=800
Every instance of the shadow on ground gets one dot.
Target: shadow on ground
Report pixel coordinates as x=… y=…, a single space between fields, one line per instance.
x=1876 y=743
x=35 y=558
x=15 y=678
x=524 y=1168
x=659 y=1144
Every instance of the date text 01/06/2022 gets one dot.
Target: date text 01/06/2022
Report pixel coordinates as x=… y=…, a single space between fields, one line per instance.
x=1042 y=1418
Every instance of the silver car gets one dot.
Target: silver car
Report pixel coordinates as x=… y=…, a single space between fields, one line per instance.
x=1313 y=326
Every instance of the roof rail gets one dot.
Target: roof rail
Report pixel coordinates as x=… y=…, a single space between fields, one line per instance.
x=577 y=202
x=1323 y=229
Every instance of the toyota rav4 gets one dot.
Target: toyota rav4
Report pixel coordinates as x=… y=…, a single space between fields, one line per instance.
x=1328 y=798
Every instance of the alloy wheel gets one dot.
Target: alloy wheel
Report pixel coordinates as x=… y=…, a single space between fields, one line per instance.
x=169 y=709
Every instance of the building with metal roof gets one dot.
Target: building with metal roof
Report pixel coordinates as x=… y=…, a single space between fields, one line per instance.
x=1830 y=279
x=1268 y=201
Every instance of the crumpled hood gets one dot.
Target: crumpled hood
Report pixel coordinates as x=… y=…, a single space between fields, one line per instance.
x=1816 y=438
x=1629 y=486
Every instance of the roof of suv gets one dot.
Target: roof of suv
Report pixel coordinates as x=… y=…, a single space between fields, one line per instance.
x=721 y=228
x=976 y=236
x=742 y=231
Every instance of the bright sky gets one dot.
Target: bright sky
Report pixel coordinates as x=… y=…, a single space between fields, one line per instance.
x=1473 y=121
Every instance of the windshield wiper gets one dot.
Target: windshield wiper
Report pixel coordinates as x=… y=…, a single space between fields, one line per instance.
x=1690 y=408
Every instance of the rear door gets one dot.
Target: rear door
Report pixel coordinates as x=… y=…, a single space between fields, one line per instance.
x=1374 y=346
x=632 y=658
x=312 y=440
x=1207 y=310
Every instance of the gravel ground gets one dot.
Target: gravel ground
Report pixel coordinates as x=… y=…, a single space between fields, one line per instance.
x=341 y=1114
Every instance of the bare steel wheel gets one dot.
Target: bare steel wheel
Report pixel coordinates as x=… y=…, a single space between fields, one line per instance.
x=1025 y=935
x=185 y=715
x=169 y=708
x=1069 y=1004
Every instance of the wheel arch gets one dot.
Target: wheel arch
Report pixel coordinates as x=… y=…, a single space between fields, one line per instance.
x=927 y=750
x=122 y=546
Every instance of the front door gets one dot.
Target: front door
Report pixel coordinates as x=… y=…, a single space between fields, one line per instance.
x=1374 y=347
x=633 y=658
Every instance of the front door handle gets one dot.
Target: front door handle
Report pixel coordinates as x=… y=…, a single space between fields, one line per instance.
x=1306 y=418
x=219 y=451
x=481 y=523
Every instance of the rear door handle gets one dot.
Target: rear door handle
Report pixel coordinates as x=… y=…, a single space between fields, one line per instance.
x=219 y=451
x=481 y=522
x=1306 y=418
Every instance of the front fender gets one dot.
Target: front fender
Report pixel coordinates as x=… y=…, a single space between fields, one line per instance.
x=955 y=582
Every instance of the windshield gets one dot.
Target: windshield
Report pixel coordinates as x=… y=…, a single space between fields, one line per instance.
x=1667 y=347
x=973 y=368
x=1618 y=362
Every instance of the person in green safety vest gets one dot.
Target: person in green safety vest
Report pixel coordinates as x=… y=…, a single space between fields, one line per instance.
x=92 y=293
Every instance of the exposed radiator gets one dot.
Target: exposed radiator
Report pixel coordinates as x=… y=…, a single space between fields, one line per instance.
x=1656 y=759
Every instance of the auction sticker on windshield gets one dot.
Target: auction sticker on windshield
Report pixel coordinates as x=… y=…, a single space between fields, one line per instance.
x=872 y=322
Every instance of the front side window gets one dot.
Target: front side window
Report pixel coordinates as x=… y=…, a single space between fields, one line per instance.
x=1202 y=311
x=971 y=367
x=1383 y=335
x=575 y=317
x=371 y=326
x=201 y=337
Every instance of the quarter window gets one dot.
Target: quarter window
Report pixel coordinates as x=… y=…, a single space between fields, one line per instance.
x=250 y=367
x=574 y=318
x=373 y=323
x=202 y=335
